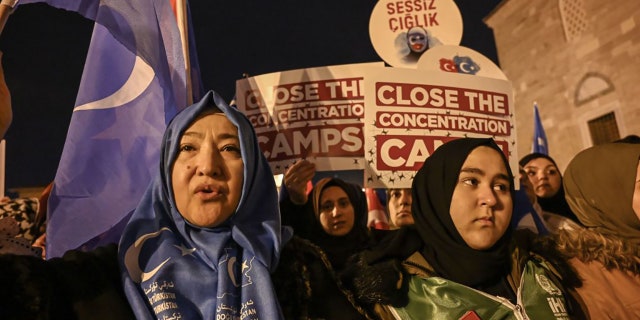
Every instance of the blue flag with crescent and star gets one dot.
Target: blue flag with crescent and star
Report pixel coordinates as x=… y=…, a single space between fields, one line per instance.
x=141 y=69
x=539 y=137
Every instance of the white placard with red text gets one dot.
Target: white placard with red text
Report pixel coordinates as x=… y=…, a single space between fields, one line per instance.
x=314 y=113
x=410 y=113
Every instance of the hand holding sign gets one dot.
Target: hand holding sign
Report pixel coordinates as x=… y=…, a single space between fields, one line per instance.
x=296 y=179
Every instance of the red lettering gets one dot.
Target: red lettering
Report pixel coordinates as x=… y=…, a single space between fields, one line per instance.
x=332 y=141
x=421 y=95
x=408 y=153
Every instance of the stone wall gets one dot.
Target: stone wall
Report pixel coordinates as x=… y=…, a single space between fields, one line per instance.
x=577 y=69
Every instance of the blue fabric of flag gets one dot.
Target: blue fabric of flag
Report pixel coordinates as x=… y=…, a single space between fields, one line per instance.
x=522 y=207
x=539 y=137
x=134 y=82
x=173 y=269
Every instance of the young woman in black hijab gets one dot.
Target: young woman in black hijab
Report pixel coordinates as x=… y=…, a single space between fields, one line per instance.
x=546 y=179
x=461 y=259
x=329 y=226
x=337 y=238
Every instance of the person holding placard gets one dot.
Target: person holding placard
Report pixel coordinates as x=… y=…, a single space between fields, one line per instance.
x=330 y=225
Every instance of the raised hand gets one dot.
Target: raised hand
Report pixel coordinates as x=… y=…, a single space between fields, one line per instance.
x=296 y=179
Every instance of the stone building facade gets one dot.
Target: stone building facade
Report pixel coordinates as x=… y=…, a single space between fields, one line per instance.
x=580 y=61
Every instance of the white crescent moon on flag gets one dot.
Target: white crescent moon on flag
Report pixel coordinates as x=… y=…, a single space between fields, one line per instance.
x=141 y=76
x=131 y=258
x=465 y=67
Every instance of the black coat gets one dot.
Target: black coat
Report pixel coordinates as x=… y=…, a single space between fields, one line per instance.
x=80 y=285
x=308 y=287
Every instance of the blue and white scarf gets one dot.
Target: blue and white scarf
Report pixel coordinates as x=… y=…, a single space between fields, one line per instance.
x=174 y=270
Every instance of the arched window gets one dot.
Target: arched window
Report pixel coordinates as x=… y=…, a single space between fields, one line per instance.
x=591 y=86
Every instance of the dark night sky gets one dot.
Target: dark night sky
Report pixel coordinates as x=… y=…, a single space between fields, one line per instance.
x=45 y=49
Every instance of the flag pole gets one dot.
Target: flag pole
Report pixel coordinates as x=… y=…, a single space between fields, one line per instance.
x=6 y=8
x=183 y=27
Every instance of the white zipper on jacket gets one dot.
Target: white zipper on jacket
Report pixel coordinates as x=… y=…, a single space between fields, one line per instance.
x=519 y=297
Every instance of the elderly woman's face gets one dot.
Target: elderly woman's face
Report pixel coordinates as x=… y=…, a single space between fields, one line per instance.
x=208 y=172
x=337 y=215
x=544 y=177
x=481 y=204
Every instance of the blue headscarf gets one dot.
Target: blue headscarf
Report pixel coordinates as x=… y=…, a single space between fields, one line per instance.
x=172 y=268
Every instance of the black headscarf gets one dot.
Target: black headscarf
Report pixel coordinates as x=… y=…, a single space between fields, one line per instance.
x=444 y=248
x=557 y=203
x=437 y=238
x=339 y=248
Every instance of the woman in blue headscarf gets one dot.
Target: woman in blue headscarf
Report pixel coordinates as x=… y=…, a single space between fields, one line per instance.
x=207 y=232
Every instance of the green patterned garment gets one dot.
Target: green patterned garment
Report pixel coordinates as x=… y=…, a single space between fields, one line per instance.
x=437 y=298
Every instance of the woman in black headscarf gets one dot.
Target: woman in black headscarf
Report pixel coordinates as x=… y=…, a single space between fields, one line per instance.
x=546 y=179
x=329 y=226
x=461 y=259
x=337 y=245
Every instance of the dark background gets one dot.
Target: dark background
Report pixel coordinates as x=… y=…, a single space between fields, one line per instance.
x=45 y=49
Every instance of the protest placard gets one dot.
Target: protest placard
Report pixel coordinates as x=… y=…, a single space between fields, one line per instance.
x=314 y=113
x=409 y=113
